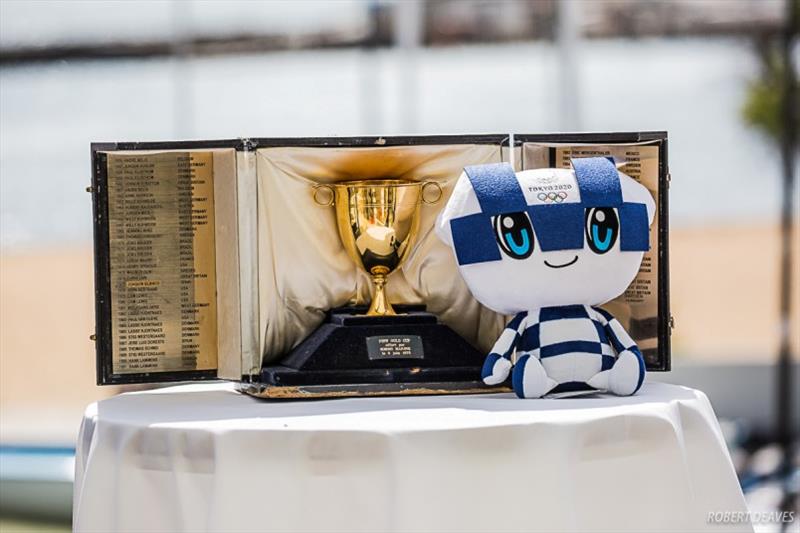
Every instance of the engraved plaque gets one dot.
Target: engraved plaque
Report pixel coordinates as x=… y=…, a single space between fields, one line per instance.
x=161 y=244
x=395 y=347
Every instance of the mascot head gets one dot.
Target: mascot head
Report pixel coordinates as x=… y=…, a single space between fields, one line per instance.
x=547 y=237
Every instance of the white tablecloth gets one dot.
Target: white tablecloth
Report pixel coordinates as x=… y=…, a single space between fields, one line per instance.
x=204 y=457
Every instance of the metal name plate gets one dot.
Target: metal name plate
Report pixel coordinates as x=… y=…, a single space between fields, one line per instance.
x=395 y=347
x=163 y=276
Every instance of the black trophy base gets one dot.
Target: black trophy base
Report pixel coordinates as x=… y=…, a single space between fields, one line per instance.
x=351 y=354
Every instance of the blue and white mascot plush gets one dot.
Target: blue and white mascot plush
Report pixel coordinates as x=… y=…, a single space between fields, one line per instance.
x=548 y=246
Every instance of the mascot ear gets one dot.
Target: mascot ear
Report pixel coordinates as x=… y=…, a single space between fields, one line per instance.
x=633 y=191
x=442 y=229
x=462 y=202
x=650 y=203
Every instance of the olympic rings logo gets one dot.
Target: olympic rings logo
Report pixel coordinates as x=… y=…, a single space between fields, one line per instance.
x=556 y=197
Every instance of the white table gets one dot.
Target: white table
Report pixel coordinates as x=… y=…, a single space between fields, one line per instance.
x=205 y=458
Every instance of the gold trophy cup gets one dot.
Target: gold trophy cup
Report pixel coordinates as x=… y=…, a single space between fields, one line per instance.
x=378 y=223
x=380 y=352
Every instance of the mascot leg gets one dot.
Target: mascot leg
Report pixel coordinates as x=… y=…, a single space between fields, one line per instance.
x=530 y=379
x=625 y=377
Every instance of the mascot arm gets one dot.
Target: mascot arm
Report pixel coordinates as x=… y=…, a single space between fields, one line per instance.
x=627 y=374
x=497 y=365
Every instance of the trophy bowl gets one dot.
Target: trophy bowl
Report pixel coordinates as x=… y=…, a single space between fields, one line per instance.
x=378 y=223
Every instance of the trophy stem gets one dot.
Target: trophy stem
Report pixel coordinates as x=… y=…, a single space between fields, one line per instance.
x=380 y=305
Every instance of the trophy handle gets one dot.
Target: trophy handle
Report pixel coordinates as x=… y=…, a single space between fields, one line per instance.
x=438 y=192
x=330 y=190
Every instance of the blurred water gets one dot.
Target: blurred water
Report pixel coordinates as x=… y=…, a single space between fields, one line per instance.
x=694 y=88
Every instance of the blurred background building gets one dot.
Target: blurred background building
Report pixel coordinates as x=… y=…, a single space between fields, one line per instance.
x=72 y=72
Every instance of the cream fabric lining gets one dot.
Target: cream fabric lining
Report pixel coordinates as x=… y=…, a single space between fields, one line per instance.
x=303 y=268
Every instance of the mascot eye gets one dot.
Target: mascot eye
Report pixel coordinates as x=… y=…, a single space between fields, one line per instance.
x=514 y=233
x=602 y=228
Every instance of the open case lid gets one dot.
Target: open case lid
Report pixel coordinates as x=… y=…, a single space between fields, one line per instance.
x=176 y=246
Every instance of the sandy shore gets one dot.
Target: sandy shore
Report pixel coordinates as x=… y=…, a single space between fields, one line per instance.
x=47 y=364
x=724 y=300
x=725 y=292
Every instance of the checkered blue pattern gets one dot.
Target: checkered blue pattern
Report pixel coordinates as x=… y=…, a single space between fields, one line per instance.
x=572 y=342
